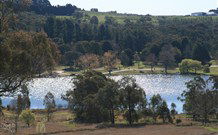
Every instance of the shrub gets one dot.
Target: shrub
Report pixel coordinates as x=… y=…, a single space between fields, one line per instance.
x=27 y=117
x=206 y=69
x=188 y=65
x=178 y=121
x=40 y=128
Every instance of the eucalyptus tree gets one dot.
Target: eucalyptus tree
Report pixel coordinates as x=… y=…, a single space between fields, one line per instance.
x=49 y=102
x=155 y=103
x=109 y=98
x=132 y=98
x=200 y=98
x=22 y=56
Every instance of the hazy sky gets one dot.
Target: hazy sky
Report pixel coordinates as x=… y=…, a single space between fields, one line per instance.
x=153 y=7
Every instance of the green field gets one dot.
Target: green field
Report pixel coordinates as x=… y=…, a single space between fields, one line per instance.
x=119 y=18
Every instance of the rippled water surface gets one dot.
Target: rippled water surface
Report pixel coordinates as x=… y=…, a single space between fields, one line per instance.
x=168 y=86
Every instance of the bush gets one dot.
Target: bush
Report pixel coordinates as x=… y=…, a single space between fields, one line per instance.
x=178 y=121
x=188 y=65
x=40 y=128
x=27 y=117
x=206 y=69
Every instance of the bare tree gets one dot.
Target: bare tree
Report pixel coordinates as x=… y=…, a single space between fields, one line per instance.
x=110 y=61
x=167 y=57
x=151 y=60
x=137 y=59
x=88 y=61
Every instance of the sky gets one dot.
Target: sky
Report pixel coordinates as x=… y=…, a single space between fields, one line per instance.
x=143 y=7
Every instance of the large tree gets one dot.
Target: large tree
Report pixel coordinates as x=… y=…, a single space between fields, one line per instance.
x=133 y=98
x=84 y=100
x=109 y=98
x=200 y=98
x=167 y=57
x=110 y=61
x=88 y=61
x=22 y=55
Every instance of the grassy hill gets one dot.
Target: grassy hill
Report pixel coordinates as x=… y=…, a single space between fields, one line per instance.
x=119 y=18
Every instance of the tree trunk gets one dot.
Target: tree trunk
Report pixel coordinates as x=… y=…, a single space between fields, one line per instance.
x=130 y=116
x=109 y=71
x=1 y=112
x=166 y=69
x=16 y=123
x=112 y=116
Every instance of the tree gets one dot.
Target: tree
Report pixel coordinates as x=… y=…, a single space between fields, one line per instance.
x=19 y=109
x=132 y=97
x=71 y=57
x=22 y=56
x=1 y=111
x=167 y=57
x=25 y=97
x=7 y=10
x=201 y=53
x=155 y=103
x=28 y=117
x=164 y=112
x=49 y=102
x=110 y=61
x=151 y=60
x=137 y=59
x=88 y=61
x=188 y=65
x=126 y=57
x=173 y=110
x=94 y=20
x=83 y=100
x=110 y=93
x=200 y=99
x=216 y=56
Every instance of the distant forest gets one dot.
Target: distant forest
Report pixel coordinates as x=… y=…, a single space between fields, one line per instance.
x=78 y=34
x=44 y=7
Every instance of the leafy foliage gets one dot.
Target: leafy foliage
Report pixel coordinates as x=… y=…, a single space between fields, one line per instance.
x=22 y=55
x=188 y=65
x=200 y=99
x=28 y=117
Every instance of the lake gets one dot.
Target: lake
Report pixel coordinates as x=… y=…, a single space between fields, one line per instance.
x=168 y=86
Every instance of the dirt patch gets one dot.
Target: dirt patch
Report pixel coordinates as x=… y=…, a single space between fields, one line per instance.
x=147 y=130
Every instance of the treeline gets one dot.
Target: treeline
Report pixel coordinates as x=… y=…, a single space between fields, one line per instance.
x=191 y=38
x=44 y=7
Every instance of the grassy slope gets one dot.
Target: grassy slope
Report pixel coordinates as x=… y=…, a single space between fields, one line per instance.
x=133 y=17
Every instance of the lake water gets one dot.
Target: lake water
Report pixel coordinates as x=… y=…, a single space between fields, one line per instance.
x=168 y=86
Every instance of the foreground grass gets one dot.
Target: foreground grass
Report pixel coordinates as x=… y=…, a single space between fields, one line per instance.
x=62 y=122
x=211 y=129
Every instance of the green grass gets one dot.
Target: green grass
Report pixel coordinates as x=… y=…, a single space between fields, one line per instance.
x=138 y=68
x=211 y=129
x=118 y=17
